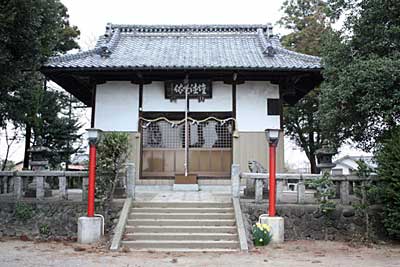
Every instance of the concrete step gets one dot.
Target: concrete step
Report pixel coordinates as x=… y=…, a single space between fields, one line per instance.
x=182 y=244
x=180 y=222
x=180 y=229
x=181 y=236
x=182 y=205
x=186 y=250
x=181 y=210
x=184 y=216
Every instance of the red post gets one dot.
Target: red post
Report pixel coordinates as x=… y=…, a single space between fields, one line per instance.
x=92 y=180
x=272 y=180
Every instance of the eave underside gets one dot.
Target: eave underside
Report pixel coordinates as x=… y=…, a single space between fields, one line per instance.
x=294 y=84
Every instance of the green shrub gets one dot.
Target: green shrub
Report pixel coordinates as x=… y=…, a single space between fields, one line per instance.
x=112 y=154
x=44 y=229
x=261 y=234
x=324 y=193
x=368 y=194
x=23 y=211
x=388 y=158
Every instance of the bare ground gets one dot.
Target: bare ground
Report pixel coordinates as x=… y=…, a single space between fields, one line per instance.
x=292 y=254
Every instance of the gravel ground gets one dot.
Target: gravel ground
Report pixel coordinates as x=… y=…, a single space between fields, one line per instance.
x=292 y=253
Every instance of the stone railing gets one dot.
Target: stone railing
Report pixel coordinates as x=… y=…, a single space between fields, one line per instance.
x=42 y=183
x=291 y=188
x=17 y=184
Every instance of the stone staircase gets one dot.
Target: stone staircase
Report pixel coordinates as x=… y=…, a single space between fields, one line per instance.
x=183 y=226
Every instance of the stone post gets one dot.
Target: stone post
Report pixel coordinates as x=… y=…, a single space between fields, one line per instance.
x=62 y=187
x=259 y=190
x=301 y=192
x=235 y=180
x=85 y=183
x=344 y=192
x=18 y=187
x=279 y=191
x=5 y=184
x=39 y=187
x=130 y=180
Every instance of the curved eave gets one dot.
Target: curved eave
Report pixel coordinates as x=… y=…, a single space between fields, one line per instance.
x=80 y=81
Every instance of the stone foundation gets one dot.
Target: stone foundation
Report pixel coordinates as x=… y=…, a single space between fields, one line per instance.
x=306 y=222
x=47 y=220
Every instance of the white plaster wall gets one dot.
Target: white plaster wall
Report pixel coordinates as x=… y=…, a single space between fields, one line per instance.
x=345 y=169
x=251 y=106
x=154 y=99
x=117 y=106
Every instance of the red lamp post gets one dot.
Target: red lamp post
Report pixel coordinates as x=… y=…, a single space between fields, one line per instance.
x=94 y=138
x=273 y=139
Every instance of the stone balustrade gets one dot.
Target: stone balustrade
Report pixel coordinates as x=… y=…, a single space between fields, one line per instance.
x=15 y=183
x=18 y=184
x=294 y=186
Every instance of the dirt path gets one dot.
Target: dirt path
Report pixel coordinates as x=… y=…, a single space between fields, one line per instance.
x=292 y=254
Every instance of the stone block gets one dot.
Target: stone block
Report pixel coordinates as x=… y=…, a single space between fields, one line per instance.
x=348 y=212
x=18 y=187
x=62 y=187
x=235 y=180
x=344 y=193
x=279 y=191
x=89 y=229
x=186 y=187
x=301 y=192
x=130 y=180
x=259 y=190
x=277 y=227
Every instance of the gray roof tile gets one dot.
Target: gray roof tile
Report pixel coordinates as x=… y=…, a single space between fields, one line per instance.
x=187 y=46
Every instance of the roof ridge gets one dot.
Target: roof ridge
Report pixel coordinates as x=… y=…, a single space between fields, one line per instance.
x=266 y=44
x=108 y=47
x=78 y=55
x=149 y=28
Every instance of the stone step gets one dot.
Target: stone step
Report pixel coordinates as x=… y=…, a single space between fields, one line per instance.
x=181 y=236
x=182 y=205
x=180 y=229
x=181 y=222
x=186 y=250
x=181 y=210
x=183 y=216
x=182 y=244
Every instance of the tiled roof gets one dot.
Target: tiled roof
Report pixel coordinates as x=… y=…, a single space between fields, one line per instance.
x=187 y=47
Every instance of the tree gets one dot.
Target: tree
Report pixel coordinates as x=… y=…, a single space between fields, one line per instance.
x=388 y=158
x=30 y=31
x=361 y=92
x=308 y=21
x=57 y=127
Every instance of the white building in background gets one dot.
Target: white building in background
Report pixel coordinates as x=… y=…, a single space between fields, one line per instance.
x=348 y=164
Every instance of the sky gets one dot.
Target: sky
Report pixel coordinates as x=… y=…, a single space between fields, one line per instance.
x=91 y=17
